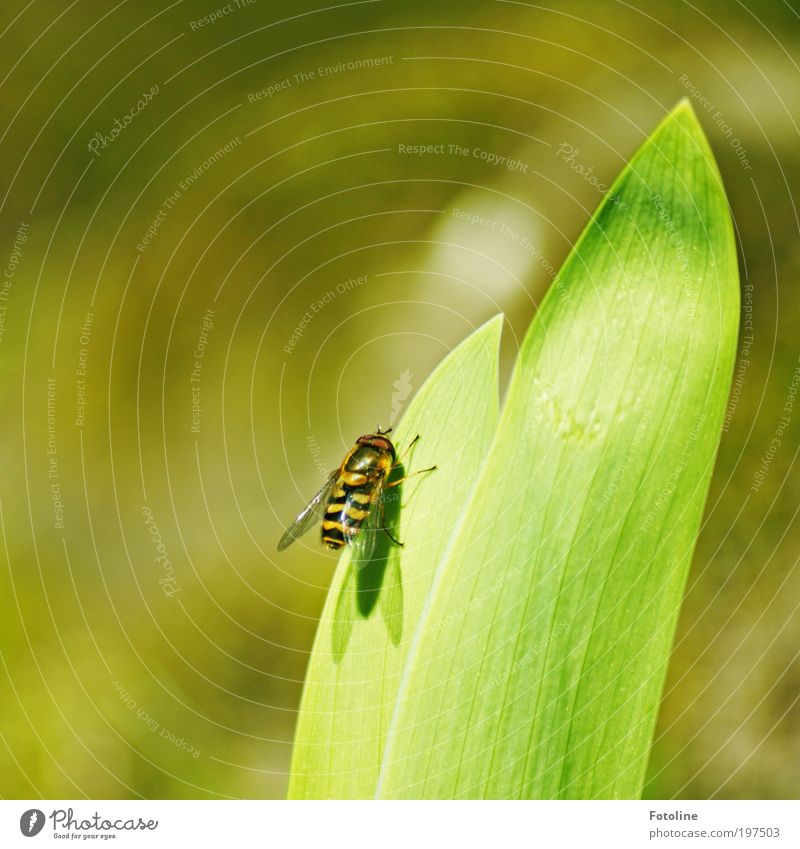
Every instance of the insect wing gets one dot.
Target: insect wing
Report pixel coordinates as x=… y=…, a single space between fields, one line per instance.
x=312 y=514
x=370 y=535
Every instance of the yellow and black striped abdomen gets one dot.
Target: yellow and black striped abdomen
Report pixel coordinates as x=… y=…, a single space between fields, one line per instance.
x=354 y=495
x=346 y=512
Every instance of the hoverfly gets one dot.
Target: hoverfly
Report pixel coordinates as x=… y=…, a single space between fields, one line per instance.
x=351 y=501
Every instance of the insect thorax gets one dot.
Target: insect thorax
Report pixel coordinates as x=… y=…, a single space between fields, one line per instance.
x=367 y=459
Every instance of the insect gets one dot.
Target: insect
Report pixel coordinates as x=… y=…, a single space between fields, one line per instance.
x=351 y=501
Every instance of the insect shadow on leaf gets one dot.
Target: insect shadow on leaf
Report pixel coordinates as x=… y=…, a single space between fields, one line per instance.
x=373 y=575
x=359 y=507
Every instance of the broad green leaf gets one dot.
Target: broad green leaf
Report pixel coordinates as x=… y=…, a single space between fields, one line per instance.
x=536 y=668
x=372 y=609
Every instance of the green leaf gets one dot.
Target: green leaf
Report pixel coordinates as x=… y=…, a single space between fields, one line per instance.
x=533 y=655
x=372 y=609
x=572 y=556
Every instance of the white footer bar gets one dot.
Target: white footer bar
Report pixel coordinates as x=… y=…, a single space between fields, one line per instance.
x=402 y=825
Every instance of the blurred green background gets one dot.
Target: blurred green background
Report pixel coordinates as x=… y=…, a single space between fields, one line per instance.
x=223 y=259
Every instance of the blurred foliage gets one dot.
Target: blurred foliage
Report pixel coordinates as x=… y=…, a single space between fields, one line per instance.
x=127 y=675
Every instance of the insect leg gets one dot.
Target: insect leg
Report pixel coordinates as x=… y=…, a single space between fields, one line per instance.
x=392 y=537
x=413 y=474
x=411 y=444
x=408 y=453
x=382 y=525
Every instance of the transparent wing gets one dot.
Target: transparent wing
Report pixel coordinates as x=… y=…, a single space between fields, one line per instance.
x=312 y=513
x=370 y=542
x=366 y=540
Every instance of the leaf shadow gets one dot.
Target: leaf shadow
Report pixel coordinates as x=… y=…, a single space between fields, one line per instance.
x=374 y=581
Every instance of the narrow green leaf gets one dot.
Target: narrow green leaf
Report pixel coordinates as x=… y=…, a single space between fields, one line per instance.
x=372 y=610
x=537 y=667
